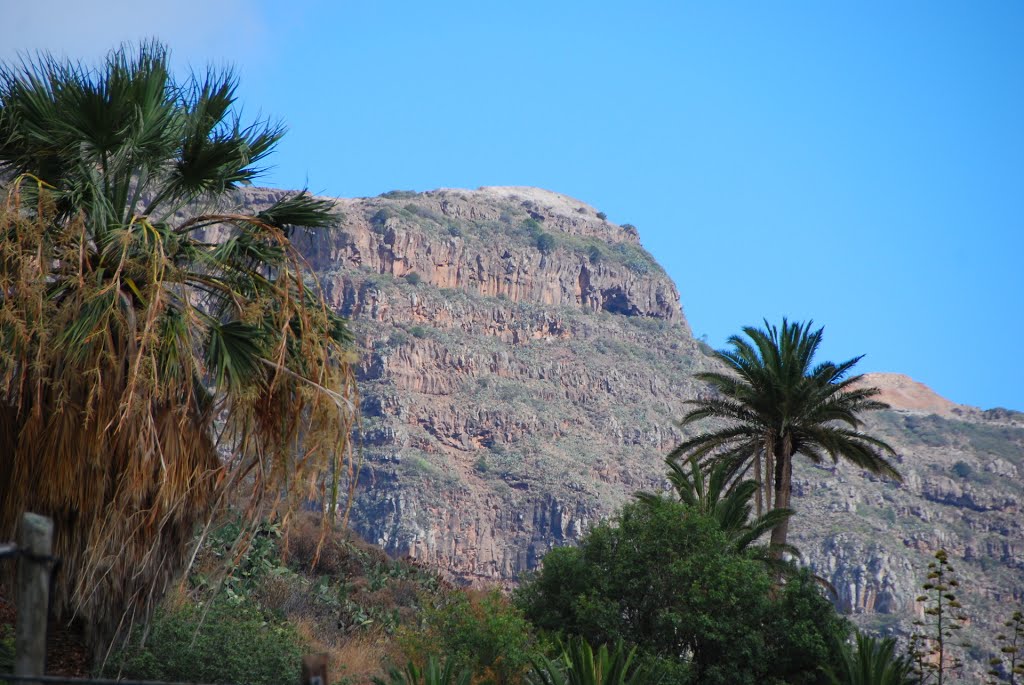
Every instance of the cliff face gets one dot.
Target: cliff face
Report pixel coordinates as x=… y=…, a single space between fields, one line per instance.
x=524 y=361
x=519 y=350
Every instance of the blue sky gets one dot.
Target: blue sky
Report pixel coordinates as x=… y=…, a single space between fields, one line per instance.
x=861 y=164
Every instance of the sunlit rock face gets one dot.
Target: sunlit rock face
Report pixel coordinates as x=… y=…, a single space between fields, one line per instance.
x=523 y=361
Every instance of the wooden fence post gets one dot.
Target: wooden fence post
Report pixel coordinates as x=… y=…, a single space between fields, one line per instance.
x=35 y=542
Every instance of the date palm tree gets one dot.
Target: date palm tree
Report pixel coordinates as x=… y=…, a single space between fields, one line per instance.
x=773 y=403
x=710 y=489
x=871 y=661
x=161 y=352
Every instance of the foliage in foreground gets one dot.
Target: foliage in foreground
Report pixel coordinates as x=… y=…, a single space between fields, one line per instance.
x=872 y=661
x=226 y=642
x=147 y=328
x=478 y=631
x=431 y=674
x=668 y=579
x=660 y=580
x=579 y=664
x=6 y=649
x=335 y=595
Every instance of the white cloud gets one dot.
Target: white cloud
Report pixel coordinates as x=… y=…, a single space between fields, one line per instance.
x=197 y=31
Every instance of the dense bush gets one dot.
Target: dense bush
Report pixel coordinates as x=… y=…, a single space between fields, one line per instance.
x=379 y=218
x=545 y=242
x=665 y=578
x=424 y=213
x=634 y=258
x=531 y=226
x=232 y=644
x=398 y=338
x=483 y=632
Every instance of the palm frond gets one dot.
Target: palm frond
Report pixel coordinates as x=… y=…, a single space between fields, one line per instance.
x=871 y=661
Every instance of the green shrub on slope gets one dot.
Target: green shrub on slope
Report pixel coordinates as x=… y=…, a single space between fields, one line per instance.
x=233 y=644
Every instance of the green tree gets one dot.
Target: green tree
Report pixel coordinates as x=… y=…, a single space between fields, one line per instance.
x=670 y=581
x=774 y=403
x=147 y=328
x=932 y=646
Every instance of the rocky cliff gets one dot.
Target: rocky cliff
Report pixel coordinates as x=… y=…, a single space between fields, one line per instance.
x=524 y=360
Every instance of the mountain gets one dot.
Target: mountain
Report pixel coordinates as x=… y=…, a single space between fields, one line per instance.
x=523 y=363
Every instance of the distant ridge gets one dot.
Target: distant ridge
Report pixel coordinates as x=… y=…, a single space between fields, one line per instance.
x=903 y=392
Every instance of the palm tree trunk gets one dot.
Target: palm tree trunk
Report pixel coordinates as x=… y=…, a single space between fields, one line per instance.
x=783 y=488
x=760 y=484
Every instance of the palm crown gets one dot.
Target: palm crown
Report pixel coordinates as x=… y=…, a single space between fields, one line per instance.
x=773 y=403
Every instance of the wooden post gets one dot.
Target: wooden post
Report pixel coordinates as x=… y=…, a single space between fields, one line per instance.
x=314 y=669
x=35 y=539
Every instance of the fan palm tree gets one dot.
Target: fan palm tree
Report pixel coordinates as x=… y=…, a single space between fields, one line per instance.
x=160 y=351
x=774 y=403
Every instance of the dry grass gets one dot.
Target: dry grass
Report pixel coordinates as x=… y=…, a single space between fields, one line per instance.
x=340 y=558
x=361 y=658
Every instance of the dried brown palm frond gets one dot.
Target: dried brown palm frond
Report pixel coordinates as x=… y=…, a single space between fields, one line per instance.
x=148 y=373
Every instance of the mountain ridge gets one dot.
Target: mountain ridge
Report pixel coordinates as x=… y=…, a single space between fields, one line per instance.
x=518 y=388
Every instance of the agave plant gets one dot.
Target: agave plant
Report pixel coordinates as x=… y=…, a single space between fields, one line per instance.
x=579 y=664
x=873 y=661
x=432 y=674
x=160 y=351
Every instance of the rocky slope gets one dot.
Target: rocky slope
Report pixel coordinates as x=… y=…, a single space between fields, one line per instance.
x=524 y=361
